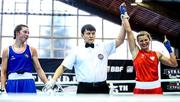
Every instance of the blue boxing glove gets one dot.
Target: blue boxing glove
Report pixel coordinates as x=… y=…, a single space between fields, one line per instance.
x=123 y=11
x=168 y=46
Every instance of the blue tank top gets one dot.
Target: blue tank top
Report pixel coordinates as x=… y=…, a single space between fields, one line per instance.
x=19 y=61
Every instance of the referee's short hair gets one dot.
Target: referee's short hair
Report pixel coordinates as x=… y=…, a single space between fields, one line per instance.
x=87 y=27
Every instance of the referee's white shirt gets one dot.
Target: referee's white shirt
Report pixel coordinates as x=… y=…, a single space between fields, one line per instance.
x=90 y=63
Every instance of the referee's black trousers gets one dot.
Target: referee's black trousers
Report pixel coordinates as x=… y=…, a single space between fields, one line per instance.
x=93 y=88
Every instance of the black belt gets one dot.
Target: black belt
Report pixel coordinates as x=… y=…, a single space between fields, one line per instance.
x=93 y=83
x=20 y=72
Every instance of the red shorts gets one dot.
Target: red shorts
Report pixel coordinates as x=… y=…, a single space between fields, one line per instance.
x=148 y=91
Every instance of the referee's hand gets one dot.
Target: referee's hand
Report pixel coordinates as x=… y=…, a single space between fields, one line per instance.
x=49 y=85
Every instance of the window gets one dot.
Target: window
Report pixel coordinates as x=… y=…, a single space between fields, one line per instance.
x=56 y=28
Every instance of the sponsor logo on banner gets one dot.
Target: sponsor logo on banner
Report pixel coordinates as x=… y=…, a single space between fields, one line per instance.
x=173 y=86
x=115 y=68
x=121 y=87
x=172 y=73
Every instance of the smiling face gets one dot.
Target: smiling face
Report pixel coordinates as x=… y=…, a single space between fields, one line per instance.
x=143 y=40
x=23 y=34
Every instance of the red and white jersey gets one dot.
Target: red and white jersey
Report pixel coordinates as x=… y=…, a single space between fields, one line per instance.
x=146 y=66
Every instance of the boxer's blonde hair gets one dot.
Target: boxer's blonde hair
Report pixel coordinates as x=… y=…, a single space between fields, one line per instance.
x=142 y=33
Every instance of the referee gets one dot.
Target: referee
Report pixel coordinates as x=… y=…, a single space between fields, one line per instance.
x=89 y=61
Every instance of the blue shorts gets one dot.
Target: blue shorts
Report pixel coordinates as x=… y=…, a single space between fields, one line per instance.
x=21 y=86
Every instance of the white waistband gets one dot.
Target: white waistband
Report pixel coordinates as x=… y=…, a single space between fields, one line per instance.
x=15 y=76
x=148 y=85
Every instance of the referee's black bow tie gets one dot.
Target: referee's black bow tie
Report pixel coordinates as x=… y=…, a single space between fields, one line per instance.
x=89 y=45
